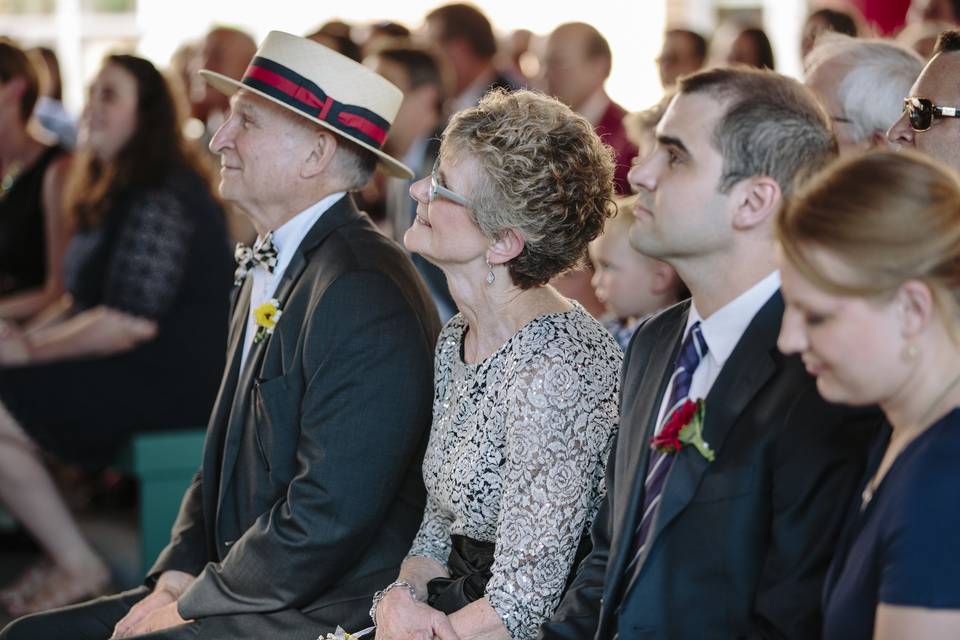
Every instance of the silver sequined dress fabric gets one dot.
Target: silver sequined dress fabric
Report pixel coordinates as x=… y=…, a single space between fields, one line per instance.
x=517 y=454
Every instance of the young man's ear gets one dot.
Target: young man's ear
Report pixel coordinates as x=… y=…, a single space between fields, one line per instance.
x=756 y=200
x=507 y=246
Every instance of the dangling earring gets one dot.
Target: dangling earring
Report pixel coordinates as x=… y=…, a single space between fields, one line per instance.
x=909 y=352
x=491 y=277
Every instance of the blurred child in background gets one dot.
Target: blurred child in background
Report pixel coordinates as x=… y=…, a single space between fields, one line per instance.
x=630 y=284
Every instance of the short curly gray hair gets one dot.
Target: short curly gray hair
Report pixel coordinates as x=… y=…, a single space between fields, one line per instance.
x=543 y=172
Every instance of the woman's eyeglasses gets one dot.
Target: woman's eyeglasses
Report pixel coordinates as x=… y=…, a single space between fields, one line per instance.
x=437 y=189
x=922 y=112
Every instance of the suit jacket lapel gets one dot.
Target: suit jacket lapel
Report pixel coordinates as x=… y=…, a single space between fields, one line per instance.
x=746 y=370
x=342 y=212
x=632 y=469
x=216 y=431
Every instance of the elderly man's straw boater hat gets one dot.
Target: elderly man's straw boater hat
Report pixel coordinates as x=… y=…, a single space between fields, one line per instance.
x=323 y=86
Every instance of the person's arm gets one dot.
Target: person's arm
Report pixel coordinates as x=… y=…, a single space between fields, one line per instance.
x=56 y=232
x=579 y=612
x=169 y=587
x=367 y=367
x=820 y=458
x=894 y=622
x=560 y=427
x=54 y=313
x=187 y=549
x=919 y=595
x=401 y=614
x=96 y=332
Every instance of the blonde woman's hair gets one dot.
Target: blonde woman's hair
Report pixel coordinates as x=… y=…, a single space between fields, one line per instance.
x=890 y=216
x=543 y=172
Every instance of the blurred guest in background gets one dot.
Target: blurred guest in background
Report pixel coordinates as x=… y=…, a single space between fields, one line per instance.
x=823 y=21
x=642 y=126
x=336 y=35
x=922 y=36
x=861 y=83
x=934 y=11
x=50 y=111
x=683 y=52
x=415 y=138
x=630 y=284
x=871 y=281
x=752 y=48
x=930 y=122
x=519 y=62
x=465 y=38
x=137 y=345
x=33 y=229
x=576 y=66
x=224 y=50
x=526 y=381
x=179 y=78
x=381 y=34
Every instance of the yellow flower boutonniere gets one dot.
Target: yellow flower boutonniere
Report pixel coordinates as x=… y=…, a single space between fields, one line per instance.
x=266 y=316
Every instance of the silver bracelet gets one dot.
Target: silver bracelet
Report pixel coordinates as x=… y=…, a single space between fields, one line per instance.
x=378 y=596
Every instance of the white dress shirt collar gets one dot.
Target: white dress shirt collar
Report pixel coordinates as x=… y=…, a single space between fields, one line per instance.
x=291 y=233
x=286 y=239
x=722 y=331
x=724 y=328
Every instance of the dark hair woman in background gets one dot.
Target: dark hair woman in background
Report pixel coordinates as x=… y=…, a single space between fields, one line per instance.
x=137 y=345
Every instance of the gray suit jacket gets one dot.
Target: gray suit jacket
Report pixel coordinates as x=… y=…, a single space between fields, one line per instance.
x=310 y=491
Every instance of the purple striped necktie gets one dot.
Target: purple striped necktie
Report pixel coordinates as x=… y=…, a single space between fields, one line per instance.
x=692 y=351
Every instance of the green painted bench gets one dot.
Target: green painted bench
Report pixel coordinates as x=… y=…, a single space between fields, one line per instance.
x=163 y=463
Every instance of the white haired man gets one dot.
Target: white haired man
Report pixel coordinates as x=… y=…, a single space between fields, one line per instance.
x=310 y=490
x=862 y=84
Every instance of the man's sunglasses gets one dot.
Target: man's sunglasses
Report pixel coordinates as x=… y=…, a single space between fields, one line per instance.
x=922 y=112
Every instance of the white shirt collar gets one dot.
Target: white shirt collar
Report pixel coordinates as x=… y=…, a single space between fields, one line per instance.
x=291 y=233
x=724 y=328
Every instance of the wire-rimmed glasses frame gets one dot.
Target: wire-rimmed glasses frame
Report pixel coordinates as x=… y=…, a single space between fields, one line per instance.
x=438 y=190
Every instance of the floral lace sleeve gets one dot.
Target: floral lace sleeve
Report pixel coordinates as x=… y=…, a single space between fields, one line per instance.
x=433 y=539
x=149 y=262
x=560 y=427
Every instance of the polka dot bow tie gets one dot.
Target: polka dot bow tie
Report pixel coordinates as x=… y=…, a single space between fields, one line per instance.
x=263 y=253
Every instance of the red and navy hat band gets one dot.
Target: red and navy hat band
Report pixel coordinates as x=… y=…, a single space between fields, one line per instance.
x=289 y=87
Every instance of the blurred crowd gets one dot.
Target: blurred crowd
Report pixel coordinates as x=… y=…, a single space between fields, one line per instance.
x=115 y=246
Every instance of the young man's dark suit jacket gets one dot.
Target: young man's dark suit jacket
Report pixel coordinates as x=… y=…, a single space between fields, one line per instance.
x=741 y=545
x=310 y=491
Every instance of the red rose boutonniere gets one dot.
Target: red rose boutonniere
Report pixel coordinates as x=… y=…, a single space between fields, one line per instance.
x=684 y=427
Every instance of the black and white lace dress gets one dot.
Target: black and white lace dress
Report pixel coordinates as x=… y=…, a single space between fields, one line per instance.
x=160 y=254
x=517 y=454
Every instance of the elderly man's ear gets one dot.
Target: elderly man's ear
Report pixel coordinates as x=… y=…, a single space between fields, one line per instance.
x=320 y=155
